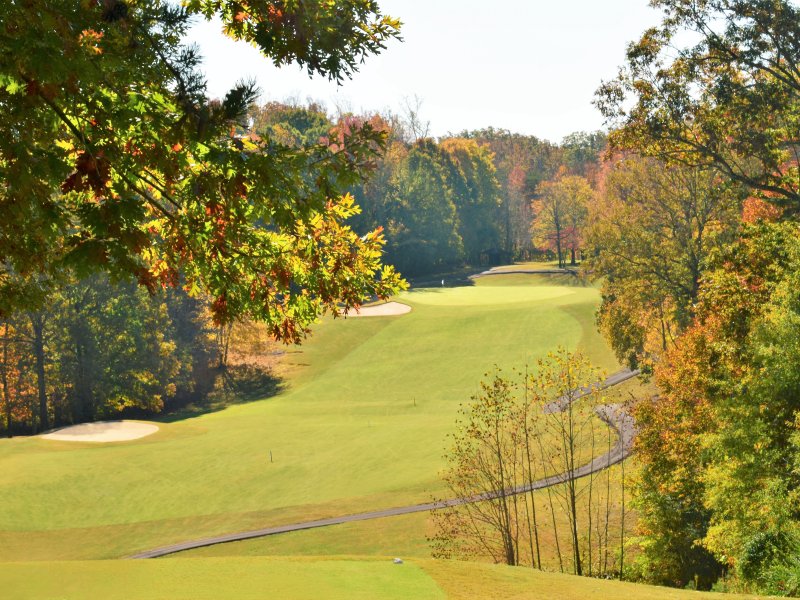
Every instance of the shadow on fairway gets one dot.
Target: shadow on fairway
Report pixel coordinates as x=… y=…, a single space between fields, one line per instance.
x=451 y=279
x=534 y=279
x=240 y=384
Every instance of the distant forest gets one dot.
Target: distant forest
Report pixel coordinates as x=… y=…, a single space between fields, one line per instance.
x=462 y=199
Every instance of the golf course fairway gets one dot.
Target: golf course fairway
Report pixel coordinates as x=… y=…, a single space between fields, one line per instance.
x=360 y=424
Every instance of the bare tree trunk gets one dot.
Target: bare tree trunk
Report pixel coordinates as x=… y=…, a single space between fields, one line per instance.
x=4 y=377
x=37 y=324
x=223 y=344
x=505 y=514
x=572 y=492
x=591 y=489
x=622 y=525
x=558 y=246
x=537 y=559
x=608 y=503
x=552 y=511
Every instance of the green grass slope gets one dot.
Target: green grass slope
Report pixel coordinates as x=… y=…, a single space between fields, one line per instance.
x=292 y=579
x=360 y=425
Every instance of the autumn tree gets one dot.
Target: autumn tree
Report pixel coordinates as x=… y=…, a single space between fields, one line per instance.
x=723 y=429
x=715 y=88
x=652 y=229
x=560 y=208
x=715 y=85
x=113 y=158
x=522 y=163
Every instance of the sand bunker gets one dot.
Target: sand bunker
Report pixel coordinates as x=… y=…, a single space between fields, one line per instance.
x=387 y=309
x=104 y=431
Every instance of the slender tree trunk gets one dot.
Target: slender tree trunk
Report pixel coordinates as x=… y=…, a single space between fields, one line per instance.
x=572 y=483
x=37 y=324
x=572 y=257
x=531 y=478
x=608 y=503
x=591 y=489
x=84 y=394
x=508 y=228
x=4 y=376
x=558 y=246
x=622 y=526
x=505 y=515
x=552 y=510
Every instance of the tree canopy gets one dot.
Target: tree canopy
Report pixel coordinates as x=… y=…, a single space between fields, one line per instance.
x=728 y=98
x=696 y=239
x=113 y=158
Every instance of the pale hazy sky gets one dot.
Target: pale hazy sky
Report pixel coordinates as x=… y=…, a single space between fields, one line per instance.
x=528 y=66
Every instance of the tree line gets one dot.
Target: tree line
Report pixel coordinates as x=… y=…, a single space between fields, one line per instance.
x=97 y=350
x=465 y=199
x=695 y=235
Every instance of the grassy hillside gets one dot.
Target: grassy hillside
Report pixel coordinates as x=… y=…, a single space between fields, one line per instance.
x=292 y=579
x=360 y=425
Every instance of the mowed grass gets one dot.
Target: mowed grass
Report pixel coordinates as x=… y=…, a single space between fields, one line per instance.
x=215 y=579
x=360 y=425
x=291 y=579
x=407 y=535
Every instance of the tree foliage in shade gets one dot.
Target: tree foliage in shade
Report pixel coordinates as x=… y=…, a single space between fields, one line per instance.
x=113 y=158
x=439 y=204
x=729 y=98
x=522 y=163
x=477 y=196
x=97 y=350
x=423 y=229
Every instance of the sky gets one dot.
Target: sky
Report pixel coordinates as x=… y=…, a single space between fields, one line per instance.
x=529 y=66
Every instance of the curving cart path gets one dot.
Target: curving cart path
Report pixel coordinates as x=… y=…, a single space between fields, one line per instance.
x=613 y=414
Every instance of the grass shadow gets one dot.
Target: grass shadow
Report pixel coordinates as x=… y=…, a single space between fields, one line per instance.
x=535 y=279
x=446 y=279
x=236 y=384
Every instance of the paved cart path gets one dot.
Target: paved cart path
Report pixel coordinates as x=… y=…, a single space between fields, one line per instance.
x=613 y=414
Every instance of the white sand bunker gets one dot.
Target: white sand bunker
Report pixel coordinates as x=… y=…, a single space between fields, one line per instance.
x=387 y=309
x=103 y=431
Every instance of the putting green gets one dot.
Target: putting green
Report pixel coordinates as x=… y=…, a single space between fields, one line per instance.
x=486 y=295
x=361 y=425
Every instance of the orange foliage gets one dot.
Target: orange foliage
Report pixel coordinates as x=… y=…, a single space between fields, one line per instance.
x=756 y=209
